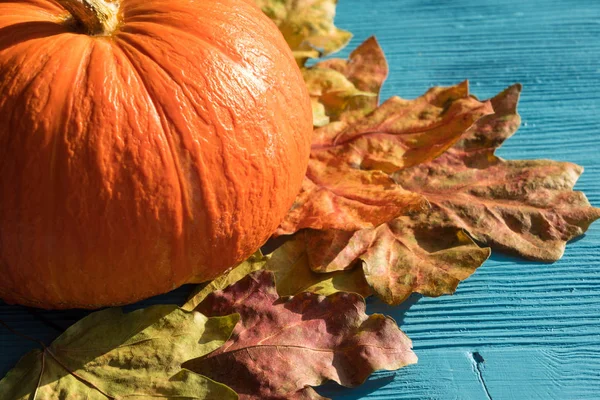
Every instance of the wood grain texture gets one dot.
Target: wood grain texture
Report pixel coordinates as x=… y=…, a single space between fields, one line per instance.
x=515 y=329
x=535 y=326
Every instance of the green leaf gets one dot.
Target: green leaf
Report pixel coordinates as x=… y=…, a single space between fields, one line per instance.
x=111 y=355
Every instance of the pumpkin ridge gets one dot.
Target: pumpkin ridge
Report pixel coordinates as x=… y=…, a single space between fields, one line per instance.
x=13 y=35
x=44 y=7
x=203 y=176
x=22 y=93
x=123 y=39
x=197 y=36
x=80 y=73
x=176 y=162
x=224 y=52
x=21 y=96
x=31 y=58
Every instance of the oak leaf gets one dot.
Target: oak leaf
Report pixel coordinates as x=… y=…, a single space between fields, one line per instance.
x=347 y=89
x=293 y=275
x=347 y=185
x=253 y=263
x=331 y=94
x=397 y=258
x=527 y=207
x=283 y=346
x=307 y=26
x=524 y=207
x=289 y=264
x=111 y=355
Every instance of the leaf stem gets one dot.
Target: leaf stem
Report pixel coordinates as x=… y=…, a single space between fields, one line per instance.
x=14 y=332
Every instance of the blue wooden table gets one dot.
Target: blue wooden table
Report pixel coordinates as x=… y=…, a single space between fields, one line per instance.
x=515 y=329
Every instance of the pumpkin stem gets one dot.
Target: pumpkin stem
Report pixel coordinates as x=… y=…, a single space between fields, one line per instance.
x=98 y=17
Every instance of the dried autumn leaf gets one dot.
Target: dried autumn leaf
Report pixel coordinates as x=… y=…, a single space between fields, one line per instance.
x=340 y=197
x=111 y=355
x=307 y=26
x=320 y=117
x=347 y=89
x=331 y=94
x=366 y=68
x=523 y=207
x=345 y=187
x=293 y=275
x=253 y=263
x=289 y=263
x=285 y=345
x=402 y=133
x=398 y=258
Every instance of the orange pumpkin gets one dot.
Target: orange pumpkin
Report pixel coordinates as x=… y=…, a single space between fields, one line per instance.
x=143 y=145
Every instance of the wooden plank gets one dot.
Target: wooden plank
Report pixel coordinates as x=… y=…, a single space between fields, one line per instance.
x=536 y=325
x=543 y=373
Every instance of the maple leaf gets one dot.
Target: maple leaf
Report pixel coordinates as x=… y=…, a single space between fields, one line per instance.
x=347 y=89
x=307 y=26
x=522 y=207
x=283 y=346
x=347 y=186
x=110 y=355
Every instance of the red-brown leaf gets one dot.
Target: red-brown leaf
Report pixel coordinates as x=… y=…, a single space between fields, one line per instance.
x=347 y=89
x=526 y=207
x=398 y=258
x=346 y=185
x=340 y=197
x=523 y=207
x=291 y=266
x=366 y=67
x=285 y=345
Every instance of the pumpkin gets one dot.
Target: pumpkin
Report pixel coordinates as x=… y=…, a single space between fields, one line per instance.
x=144 y=145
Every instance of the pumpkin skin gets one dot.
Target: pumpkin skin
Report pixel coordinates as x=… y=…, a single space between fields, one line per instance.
x=133 y=163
